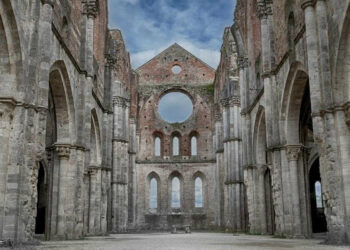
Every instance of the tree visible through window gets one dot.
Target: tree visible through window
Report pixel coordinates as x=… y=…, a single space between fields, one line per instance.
x=157 y=146
x=153 y=194
x=176 y=146
x=175 y=193
x=198 y=192
x=194 y=145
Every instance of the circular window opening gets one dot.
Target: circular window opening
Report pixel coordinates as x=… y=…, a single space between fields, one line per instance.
x=175 y=107
x=176 y=69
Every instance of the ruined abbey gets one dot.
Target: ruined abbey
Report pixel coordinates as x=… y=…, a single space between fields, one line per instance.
x=264 y=147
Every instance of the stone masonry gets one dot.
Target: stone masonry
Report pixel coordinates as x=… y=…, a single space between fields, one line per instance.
x=79 y=127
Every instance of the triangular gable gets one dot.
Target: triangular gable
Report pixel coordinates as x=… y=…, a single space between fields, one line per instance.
x=158 y=70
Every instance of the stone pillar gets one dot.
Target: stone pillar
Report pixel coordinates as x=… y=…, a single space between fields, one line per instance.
x=45 y=51
x=63 y=152
x=219 y=149
x=325 y=134
x=262 y=199
x=92 y=198
x=120 y=164
x=234 y=212
x=132 y=174
x=6 y=220
x=293 y=153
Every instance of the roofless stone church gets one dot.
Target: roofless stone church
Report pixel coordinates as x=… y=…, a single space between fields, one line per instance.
x=88 y=146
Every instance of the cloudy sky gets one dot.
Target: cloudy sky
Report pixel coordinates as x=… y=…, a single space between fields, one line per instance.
x=150 y=26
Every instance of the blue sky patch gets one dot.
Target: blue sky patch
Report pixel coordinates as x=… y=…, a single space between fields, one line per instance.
x=150 y=26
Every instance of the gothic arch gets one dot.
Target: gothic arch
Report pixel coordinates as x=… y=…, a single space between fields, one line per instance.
x=10 y=51
x=205 y=190
x=174 y=135
x=241 y=51
x=95 y=140
x=150 y=176
x=292 y=97
x=342 y=72
x=158 y=135
x=173 y=175
x=260 y=137
x=63 y=103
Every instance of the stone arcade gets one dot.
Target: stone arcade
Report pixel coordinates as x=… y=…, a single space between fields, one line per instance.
x=85 y=149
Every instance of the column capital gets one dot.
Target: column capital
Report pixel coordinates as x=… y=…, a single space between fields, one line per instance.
x=293 y=152
x=49 y=2
x=111 y=60
x=63 y=151
x=234 y=101
x=121 y=101
x=132 y=120
x=225 y=102
x=242 y=62
x=90 y=8
x=307 y=3
x=218 y=117
x=264 y=8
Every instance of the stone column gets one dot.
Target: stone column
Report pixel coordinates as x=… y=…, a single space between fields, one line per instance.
x=92 y=199
x=262 y=198
x=120 y=164
x=132 y=173
x=234 y=214
x=324 y=123
x=6 y=112
x=45 y=51
x=219 y=149
x=293 y=153
x=63 y=152
x=312 y=51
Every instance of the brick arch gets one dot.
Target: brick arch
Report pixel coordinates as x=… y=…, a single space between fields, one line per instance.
x=158 y=134
x=179 y=136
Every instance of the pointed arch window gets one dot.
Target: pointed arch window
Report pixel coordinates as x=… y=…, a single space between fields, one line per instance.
x=318 y=193
x=194 y=145
x=176 y=146
x=198 y=192
x=153 y=193
x=157 y=146
x=175 y=193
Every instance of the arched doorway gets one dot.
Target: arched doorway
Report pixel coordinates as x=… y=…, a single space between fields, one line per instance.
x=40 y=220
x=60 y=136
x=318 y=217
x=266 y=223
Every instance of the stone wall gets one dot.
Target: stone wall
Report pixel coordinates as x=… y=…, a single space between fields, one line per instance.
x=56 y=114
x=301 y=47
x=156 y=80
